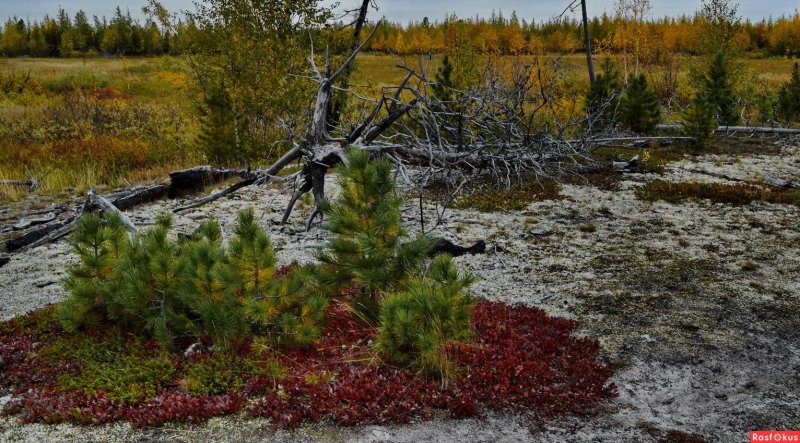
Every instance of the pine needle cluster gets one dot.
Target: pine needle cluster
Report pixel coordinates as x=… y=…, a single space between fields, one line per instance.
x=418 y=324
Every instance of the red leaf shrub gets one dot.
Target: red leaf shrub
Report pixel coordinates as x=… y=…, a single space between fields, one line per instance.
x=521 y=361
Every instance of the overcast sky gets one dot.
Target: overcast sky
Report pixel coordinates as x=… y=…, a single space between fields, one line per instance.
x=405 y=10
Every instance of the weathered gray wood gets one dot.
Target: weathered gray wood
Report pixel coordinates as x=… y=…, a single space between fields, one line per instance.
x=28 y=222
x=631 y=164
x=30 y=184
x=780 y=183
x=746 y=129
x=103 y=203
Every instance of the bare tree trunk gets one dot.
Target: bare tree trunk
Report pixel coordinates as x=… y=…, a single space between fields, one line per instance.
x=587 y=42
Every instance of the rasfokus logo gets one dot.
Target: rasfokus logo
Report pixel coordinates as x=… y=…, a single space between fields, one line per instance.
x=775 y=436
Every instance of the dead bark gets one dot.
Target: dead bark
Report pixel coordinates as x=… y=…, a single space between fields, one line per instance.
x=780 y=183
x=103 y=203
x=28 y=222
x=198 y=177
x=740 y=129
x=629 y=165
x=256 y=177
x=443 y=246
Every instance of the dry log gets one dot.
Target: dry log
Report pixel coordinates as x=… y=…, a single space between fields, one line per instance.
x=199 y=177
x=744 y=129
x=780 y=183
x=254 y=178
x=635 y=142
x=443 y=246
x=137 y=196
x=107 y=206
x=629 y=165
x=28 y=222
x=30 y=184
x=34 y=237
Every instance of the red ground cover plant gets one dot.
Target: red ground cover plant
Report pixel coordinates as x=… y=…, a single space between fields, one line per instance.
x=520 y=361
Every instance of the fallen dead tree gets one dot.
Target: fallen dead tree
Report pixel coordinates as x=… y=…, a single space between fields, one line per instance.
x=496 y=131
x=780 y=183
x=30 y=184
x=60 y=221
x=739 y=129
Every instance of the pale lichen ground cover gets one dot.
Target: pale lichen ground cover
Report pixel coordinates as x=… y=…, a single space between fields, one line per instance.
x=697 y=304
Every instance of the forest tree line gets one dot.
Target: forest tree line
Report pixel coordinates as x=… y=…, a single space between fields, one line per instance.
x=68 y=36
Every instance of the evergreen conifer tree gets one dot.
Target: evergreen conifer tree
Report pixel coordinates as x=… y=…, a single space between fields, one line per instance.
x=220 y=137
x=719 y=92
x=147 y=293
x=367 y=250
x=418 y=323
x=603 y=97
x=639 y=107
x=698 y=120
x=99 y=247
x=789 y=98
x=442 y=89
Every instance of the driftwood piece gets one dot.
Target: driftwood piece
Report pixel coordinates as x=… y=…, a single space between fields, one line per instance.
x=28 y=222
x=107 y=206
x=31 y=238
x=780 y=183
x=443 y=246
x=629 y=165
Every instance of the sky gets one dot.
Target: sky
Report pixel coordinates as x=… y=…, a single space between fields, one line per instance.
x=415 y=10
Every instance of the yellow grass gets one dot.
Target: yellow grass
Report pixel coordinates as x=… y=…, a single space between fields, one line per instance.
x=166 y=81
